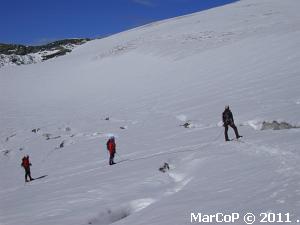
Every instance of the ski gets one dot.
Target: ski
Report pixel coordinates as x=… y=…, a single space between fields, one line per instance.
x=37 y=178
x=236 y=139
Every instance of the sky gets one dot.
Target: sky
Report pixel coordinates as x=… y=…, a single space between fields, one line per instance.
x=34 y=22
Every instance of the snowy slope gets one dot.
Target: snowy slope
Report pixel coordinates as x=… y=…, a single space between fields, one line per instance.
x=150 y=80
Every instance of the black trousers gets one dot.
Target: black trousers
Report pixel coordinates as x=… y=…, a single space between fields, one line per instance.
x=232 y=125
x=111 y=158
x=27 y=174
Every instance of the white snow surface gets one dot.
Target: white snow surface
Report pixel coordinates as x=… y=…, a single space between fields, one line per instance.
x=150 y=80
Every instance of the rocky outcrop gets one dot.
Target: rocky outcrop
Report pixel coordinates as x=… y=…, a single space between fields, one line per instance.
x=13 y=54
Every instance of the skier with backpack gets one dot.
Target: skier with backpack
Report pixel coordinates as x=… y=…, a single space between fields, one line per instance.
x=228 y=121
x=26 y=165
x=111 y=147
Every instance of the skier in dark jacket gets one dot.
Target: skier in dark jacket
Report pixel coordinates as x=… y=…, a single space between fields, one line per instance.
x=111 y=147
x=26 y=165
x=228 y=121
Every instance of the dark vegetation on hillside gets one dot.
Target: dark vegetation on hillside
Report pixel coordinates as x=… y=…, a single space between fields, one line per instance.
x=60 y=46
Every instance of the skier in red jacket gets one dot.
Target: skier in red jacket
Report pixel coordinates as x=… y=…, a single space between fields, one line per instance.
x=111 y=147
x=26 y=165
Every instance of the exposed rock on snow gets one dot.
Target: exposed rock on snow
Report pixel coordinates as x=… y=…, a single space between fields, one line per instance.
x=62 y=144
x=187 y=125
x=35 y=130
x=6 y=152
x=12 y=54
x=266 y=125
x=164 y=168
x=277 y=125
x=68 y=129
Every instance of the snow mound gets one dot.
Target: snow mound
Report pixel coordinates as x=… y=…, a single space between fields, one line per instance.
x=109 y=216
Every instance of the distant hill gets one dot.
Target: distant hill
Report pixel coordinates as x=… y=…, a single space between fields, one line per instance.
x=15 y=54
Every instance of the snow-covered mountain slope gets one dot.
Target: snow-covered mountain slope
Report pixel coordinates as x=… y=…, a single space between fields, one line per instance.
x=11 y=54
x=149 y=81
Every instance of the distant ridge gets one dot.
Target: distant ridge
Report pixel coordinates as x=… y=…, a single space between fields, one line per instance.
x=16 y=54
